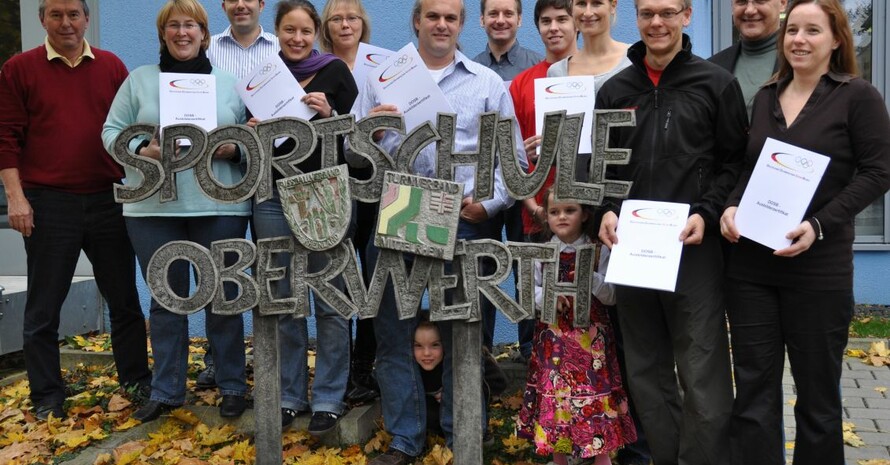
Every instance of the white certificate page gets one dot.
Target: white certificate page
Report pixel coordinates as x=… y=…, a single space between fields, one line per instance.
x=188 y=99
x=575 y=94
x=368 y=58
x=271 y=91
x=404 y=81
x=779 y=192
x=649 y=248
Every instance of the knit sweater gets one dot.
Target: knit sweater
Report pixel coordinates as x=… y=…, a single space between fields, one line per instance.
x=51 y=118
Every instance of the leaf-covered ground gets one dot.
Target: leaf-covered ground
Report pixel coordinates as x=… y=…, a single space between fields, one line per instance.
x=97 y=408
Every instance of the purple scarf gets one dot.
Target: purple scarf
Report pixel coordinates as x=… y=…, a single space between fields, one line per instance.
x=308 y=66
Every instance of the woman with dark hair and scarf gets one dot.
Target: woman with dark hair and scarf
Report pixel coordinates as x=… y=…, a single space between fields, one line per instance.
x=184 y=37
x=330 y=90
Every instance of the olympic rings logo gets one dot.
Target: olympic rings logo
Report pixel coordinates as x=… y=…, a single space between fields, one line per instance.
x=566 y=88
x=655 y=214
x=261 y=77
x=799 y=163
x=399 y=67
x=803 y=162
x=189 y=84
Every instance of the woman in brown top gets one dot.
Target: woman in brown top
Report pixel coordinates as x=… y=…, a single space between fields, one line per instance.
x=800 y=298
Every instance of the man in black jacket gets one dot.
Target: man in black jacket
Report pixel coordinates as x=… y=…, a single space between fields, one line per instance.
x=687 y=147
x=752 y=60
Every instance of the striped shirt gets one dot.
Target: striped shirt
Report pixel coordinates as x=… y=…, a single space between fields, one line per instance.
x=226 y=53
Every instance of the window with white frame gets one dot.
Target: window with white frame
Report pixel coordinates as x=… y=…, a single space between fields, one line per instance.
x=872 y=44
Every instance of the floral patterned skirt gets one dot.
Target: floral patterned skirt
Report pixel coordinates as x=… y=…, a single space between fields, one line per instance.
x=574 y=401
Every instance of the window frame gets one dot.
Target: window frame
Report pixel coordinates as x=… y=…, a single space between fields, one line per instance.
x=722 y=37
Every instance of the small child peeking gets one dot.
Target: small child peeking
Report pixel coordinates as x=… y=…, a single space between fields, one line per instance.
x=575 y=406
x=429 y=353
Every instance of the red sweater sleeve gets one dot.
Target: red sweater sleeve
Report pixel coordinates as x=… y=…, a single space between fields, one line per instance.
x=13 y=116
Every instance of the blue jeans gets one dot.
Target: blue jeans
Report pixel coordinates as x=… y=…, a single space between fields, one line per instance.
x=332 y=331
x=65 y=224
x=169 y=331
x=401 y=387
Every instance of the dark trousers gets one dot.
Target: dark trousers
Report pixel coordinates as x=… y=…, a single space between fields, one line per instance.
x=511 y=220
x=683 y=333
x=636 y=452
x=812 y=326
x=65 y=224
x=365 y=342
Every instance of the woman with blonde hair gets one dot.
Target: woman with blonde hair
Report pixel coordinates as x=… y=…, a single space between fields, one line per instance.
x=344 y=23
x=184 y=36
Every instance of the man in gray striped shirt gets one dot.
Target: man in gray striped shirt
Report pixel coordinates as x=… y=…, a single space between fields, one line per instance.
x=244 y=44
x=238 y=50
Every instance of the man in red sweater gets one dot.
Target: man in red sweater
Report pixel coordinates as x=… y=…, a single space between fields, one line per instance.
x=58 y=181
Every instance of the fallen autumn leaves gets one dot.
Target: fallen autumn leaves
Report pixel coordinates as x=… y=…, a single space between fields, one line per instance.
x=97 y=408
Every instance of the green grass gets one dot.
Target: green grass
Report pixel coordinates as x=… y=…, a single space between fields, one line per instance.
x=870 y=327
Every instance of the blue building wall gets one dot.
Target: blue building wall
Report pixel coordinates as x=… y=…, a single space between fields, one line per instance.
x=128 y=29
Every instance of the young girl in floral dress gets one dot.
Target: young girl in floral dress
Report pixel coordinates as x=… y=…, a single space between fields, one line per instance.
x=575 y=406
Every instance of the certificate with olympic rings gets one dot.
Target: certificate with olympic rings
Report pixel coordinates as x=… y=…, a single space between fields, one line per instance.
x=649 y=248
x=779 y=192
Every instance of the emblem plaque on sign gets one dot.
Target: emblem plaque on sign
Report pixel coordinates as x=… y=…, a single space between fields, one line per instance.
x=418 y=215
x=317 y=206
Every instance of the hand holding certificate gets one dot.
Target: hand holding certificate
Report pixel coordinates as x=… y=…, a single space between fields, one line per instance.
x=574 y=94
x=778 y=193
x=404 y=81
x=649 y=248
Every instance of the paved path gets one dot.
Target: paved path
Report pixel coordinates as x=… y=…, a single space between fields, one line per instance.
x=864 y=406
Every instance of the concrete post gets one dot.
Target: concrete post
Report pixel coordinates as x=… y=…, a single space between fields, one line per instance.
x=267 y=389
x=467 y=360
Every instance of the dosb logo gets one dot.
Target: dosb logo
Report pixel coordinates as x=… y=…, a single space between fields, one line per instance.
x=375 y=58
x=189 y=84
x=261 y=77
x=566 y=88
x=661 y=215
x=799 y=163
x=399 y=67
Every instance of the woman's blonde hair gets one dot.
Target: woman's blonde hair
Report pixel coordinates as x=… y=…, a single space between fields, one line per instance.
x=190 y=8
x=324 y=39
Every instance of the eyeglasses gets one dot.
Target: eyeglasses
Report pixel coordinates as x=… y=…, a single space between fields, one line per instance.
x=665 y=15
x=745 y=3
x=188 y=27
x=338 y=20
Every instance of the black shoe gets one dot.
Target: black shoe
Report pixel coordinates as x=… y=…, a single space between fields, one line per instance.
x=393 y=457
x=207 y=378
x=360 y=394
x=43 y=412
x=151 y=411
x=287 y=417
x=139 y=394
x=232 y=406
x=362 y=385
x=322 y=422
x=487 y=438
